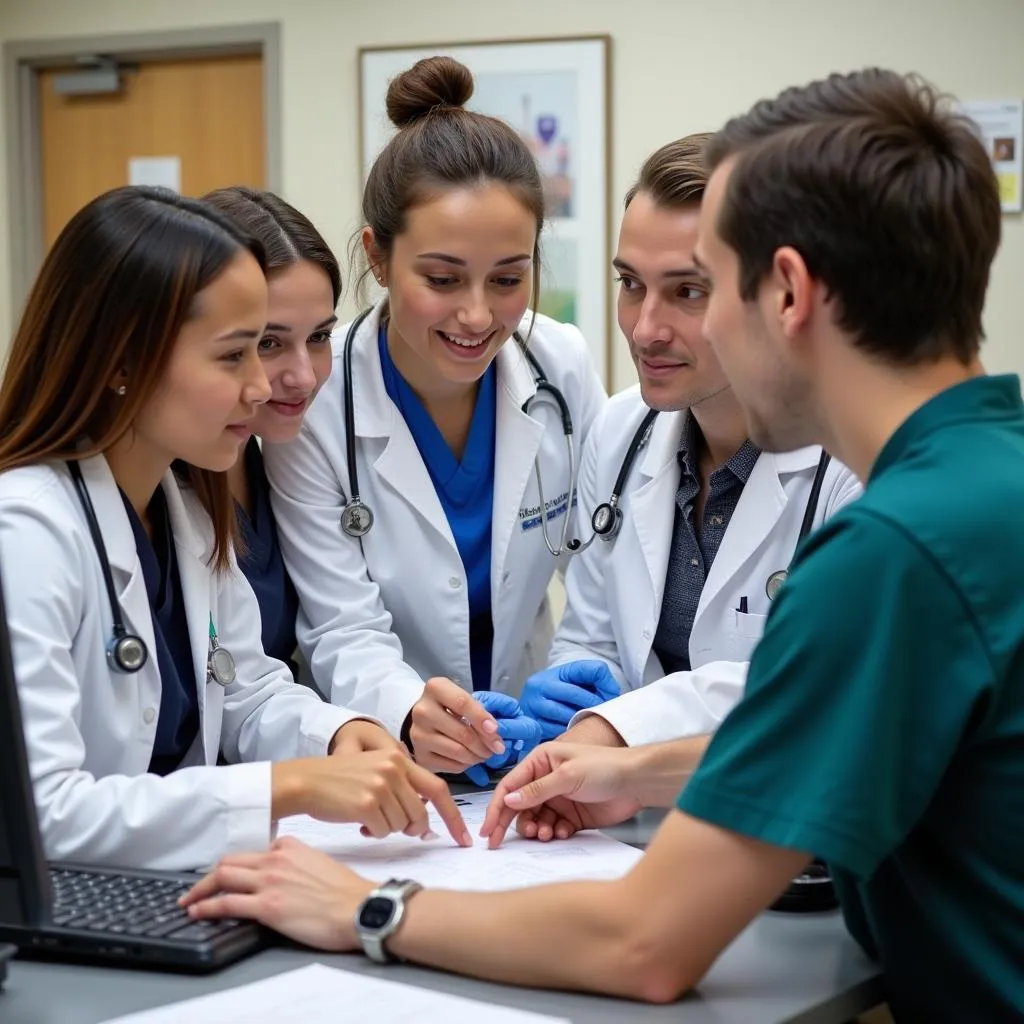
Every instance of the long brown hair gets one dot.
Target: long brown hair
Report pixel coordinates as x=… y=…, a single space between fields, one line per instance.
x=110 y=300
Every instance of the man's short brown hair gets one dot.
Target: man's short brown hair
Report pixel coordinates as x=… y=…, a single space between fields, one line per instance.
x=889 y=197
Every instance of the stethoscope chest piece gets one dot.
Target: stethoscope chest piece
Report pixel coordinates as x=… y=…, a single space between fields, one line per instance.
x=774 y=584
x=127 y=653
x=356 y=519
x=220 y=662
x=220 y=665
x=606 y=521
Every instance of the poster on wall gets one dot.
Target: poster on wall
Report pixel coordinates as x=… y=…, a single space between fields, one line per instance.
x=554 y=93
x=1001 y=126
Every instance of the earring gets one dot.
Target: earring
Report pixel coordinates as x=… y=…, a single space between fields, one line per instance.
x=123 y=390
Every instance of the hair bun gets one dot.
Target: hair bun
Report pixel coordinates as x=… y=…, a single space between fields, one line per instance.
x=430 y=83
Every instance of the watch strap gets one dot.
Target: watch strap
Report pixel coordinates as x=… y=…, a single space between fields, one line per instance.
x=374 y=941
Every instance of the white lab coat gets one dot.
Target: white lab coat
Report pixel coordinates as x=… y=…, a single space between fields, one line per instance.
x=614 y=590
x=90 y=731
x=380 y=615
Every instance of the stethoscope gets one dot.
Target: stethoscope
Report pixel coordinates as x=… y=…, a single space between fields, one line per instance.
x=357 y=517
x=606 y=521
x=777 y=578
x=126 y=652
x=607 y=518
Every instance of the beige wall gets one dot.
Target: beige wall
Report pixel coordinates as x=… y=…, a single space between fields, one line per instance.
x=678 y=67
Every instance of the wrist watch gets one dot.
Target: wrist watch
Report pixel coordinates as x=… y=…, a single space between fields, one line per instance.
x=380 y=914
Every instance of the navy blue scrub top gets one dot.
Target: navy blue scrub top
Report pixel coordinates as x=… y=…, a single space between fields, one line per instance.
x=178 y=724
x=263 y=564
x=466 y=493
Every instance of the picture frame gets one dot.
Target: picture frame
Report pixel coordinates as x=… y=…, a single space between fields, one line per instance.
x=556 y=93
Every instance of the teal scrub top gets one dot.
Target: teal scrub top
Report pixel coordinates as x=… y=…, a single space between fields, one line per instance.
x=883 y=722
x=465 y=490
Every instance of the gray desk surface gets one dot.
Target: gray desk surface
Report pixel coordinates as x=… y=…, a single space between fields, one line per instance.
x=801 y=969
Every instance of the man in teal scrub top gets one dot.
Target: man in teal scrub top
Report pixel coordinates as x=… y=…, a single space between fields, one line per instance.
x=847 y=230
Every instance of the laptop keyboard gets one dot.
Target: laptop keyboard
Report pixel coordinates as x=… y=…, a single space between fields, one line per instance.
x=129 y=906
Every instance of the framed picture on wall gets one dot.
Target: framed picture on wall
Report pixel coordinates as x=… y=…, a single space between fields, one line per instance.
x=554 y=92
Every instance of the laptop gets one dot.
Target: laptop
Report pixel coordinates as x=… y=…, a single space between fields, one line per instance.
x=76 y=912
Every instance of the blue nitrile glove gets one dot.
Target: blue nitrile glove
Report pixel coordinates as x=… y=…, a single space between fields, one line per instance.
x=519 y=731
x=554 y=695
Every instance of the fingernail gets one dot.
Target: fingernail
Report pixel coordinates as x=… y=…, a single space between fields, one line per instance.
x=515 y=797
x=498 y=747
x=490 y=725
x=467 y=839
x=429 y=835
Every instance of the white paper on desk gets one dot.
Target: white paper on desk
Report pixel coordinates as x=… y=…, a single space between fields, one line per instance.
x=516 y=863
x=319 y=993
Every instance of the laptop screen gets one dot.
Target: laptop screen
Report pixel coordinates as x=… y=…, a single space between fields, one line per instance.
x=24 y=877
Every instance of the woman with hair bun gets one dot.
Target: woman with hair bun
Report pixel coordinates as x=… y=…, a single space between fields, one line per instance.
x=424 y=602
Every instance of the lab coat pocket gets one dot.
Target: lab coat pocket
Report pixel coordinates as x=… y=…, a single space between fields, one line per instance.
x=747 y=630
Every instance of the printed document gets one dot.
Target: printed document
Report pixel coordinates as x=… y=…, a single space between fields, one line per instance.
x=440 y=863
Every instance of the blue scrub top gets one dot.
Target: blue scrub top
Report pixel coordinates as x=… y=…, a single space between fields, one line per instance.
x=178 y=724
x=466 y=493
x=263 y=564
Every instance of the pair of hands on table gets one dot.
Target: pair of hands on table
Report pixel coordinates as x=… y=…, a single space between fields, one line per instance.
x=308 y=896
x=368 y=777
x=452 y=731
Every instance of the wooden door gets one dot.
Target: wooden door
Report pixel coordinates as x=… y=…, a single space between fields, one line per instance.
x=207 y=112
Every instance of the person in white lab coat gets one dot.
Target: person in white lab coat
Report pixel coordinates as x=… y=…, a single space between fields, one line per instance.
x=303 y=289
x=438 y=411
x=130 y=389
x=883 y=724
x=670 y=609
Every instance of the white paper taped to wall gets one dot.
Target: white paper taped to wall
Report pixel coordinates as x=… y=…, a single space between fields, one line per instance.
x=155 y=170
x=515 y=864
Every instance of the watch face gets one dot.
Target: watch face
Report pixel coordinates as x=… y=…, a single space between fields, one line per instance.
x=376 y=912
